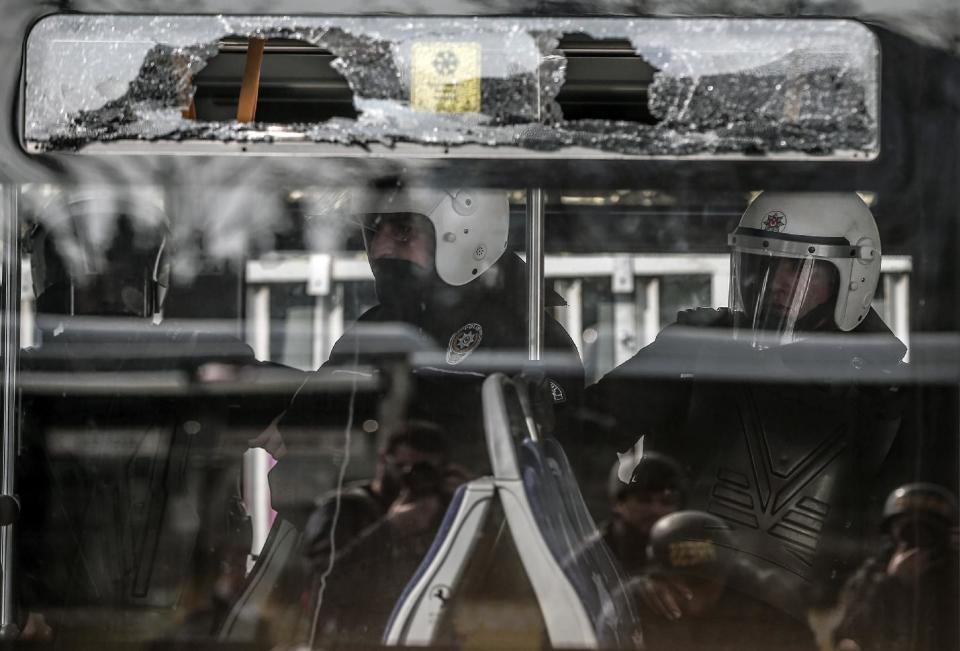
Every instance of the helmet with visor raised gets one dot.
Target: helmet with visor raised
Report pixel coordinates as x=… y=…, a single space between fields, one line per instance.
x=469 y=226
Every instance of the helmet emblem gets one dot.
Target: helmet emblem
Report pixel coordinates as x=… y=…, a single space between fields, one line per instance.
x=690 y=553
x=775 y=221
x=463 y=342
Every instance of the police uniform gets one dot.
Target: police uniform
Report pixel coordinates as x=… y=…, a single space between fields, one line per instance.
x=782 y=408
x=469 y=306
x=464 y=325
x=790 y=464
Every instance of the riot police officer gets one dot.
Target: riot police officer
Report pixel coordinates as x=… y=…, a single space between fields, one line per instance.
x=443 y=276
x=442 y=272
x=782 y=407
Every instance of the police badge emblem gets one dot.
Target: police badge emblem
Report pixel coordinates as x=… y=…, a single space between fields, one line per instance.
x=775 y=221
x=463 y=342
x=557 y=392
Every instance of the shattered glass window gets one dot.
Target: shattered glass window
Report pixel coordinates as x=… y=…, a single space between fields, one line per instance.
x=737 y=87
x=467 y=332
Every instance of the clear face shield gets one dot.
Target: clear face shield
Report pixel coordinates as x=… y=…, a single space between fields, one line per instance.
x=780 y=291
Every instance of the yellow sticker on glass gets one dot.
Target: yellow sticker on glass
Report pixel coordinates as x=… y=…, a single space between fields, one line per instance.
x=445 y=77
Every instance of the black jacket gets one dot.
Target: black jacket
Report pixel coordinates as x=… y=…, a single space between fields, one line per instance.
x=435 y=374
x=786 y=444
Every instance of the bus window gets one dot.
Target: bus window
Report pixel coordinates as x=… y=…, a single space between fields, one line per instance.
x=441 y=329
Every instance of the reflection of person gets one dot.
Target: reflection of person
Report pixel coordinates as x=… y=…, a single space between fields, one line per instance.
x=907 y=597
x=656 y=489
x=381 y=528
x=133 y=525
x=790 y=459
x=409 y=490
x=695 y=552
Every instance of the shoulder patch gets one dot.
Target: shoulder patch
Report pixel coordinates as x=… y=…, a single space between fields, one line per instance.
x=559 y=395
x=463 y=342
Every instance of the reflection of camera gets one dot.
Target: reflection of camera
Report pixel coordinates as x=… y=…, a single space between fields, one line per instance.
x=421 y=479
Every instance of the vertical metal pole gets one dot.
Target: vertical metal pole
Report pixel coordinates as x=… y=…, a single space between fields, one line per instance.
x=319 y=328
x=649 y=295
x=625 y=309
x=28 y=307
x=535 y=207
x=334 y=325
x=720 y=286
x=573 y=314
x=319 y=285
x=896 y=310
x=9 y=327
x=258 y=334
x=256 y=462
x=256 y=469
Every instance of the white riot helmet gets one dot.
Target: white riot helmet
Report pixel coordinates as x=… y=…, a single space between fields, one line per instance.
x=470 y=225
x=803 y=261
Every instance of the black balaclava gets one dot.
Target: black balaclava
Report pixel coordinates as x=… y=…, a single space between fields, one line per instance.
x=403 y=289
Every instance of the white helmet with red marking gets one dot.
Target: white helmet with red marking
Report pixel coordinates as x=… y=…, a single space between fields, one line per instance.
x=804 y=261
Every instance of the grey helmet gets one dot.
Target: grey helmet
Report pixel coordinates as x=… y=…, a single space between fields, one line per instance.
x=925 y=500
x=692 y=542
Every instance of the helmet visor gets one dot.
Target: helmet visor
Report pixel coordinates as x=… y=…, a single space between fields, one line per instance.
x=399 y=236
x=776 y=298
x=400 y=227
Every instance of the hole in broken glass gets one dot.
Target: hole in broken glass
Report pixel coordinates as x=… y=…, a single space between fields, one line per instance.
x=555 y=88
x=297 y=84
x=605 y=80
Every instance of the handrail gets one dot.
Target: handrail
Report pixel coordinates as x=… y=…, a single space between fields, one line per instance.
x=9 y=339
x=250 y=89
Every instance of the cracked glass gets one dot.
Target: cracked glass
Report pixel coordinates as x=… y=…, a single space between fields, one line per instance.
x=513 y=332
x=790 y=88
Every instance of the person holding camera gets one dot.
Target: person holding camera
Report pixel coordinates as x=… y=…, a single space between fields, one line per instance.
x=408 y=492
x=906 y=596
x=364 y=542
